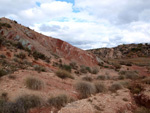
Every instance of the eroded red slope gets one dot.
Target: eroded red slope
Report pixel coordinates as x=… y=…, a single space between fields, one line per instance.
x=46 y=45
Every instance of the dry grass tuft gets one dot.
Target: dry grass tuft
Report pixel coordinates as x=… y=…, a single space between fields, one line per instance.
x=34 y=83
x=85 y=89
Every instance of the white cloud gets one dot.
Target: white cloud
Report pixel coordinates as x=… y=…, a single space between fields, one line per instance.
x=87 y=24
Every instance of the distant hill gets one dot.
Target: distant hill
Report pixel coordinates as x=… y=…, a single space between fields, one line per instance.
x=123 y=51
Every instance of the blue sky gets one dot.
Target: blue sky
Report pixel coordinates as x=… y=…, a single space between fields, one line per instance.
x=68 y=1
x=85 y=24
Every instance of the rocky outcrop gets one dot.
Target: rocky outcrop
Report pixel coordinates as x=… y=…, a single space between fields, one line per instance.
x=102 y=103
x=46 y=45
x=123 y=51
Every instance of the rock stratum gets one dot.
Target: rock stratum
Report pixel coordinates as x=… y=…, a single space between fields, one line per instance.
x=45 y=44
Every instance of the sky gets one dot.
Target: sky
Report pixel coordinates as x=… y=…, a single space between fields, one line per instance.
x=86 y=24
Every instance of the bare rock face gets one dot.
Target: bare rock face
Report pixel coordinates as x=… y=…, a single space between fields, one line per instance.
x=120 y=102
x=46 y=45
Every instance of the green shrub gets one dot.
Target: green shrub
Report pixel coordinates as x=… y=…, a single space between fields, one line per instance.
x=37 y=55
x=86 y=78
x=100 y=87
x=64 y=74
x=15 y=21
x=115 y=86
x=39 y=68
x=5 y=25
x=2 y=56
x=66 y=67
x=2 y=72
x=88 y=69
x=85 y=89
x=106 y=66
x=84 y=69
x=21 y=55
x=19 y=45
x=58 y=101
x=33 y=83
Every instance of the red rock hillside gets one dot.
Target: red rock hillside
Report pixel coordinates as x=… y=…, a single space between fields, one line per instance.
x=44 y=44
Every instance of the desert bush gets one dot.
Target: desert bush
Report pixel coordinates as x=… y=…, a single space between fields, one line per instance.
x=66 y=67
x=106 y=66
x=142 y=110
x=2 y=56
x=88 y=69
x=2 y=72
x=64 y=74
x=5 y=25
x=85 y=89
x=58 y=101
x=47 y=60
x=37 y=55
x=15 y=21
x=73 y=65
x=19 y=45
x=39 y=68
x=128 y=64
x=100 y=87
x=12 y=77
x=115 y=86
x=21 y=105
x=10 y=107
x=85 y=69
x=2 y=105
x=117 y=66
x=86 y=78
x=1 y=41
x=21 y=55
x=136 y=88
x=122 y=63
x=4 y=95
x=128 y=74
x=94 y=70
x=125 y=84
x=146 y=80
x=33 y=83
x=121 y=77
x=103 y=77
x=28 y=101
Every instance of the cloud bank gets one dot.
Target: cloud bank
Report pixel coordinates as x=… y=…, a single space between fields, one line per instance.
x=85 y=24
